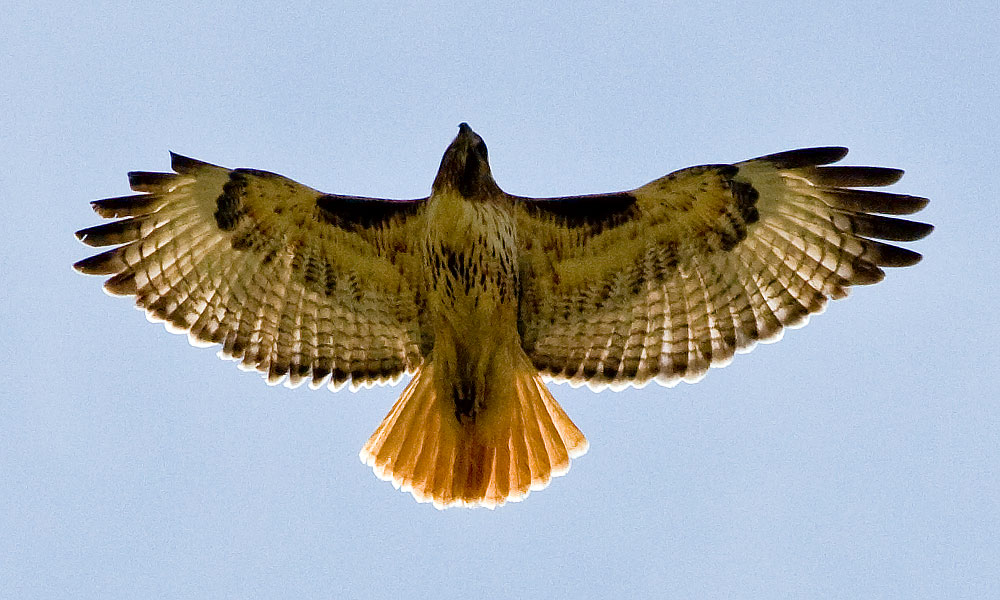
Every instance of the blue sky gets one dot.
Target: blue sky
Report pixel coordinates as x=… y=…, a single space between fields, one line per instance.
x=858 y=457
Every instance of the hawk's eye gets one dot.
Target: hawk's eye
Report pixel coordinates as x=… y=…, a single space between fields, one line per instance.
x=480 y=148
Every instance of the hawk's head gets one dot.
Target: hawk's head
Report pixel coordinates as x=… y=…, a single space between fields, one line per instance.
x=465 y=167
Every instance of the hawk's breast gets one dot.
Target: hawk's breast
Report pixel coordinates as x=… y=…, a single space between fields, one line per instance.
x=470 y=254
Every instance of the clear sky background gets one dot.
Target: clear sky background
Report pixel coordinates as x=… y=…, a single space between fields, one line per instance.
x=859 y=457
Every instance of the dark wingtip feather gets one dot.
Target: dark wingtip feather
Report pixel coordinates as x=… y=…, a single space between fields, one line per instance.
x=118 y=232
x=319 y=373
x=105 y=263
x=122 y=284
x=887 y=228
x=805 y=157
x=125 y=206
x=184 y=164
x=907 y=205
x=877 y=202
x=866 y=274
x=887 y=255
x=145 y=181
x=855 y=176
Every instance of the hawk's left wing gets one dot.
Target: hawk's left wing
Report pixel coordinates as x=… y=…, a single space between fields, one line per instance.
x=290 y=281
x=666 y=280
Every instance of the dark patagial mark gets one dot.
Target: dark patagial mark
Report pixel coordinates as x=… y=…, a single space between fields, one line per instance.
x=353 y=213
x=261 y=174
x=596 y=211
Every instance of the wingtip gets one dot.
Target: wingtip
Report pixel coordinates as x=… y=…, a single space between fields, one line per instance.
x=148 y=181
x=887 y=255
x=184 y=164
x=127 y=206
x=908 y=258
x=80 y=266
x=90 y=236
x=893 y=175
x=917 y=204
x=805 y=157
x=116 y=232
x=850 y=177
x=919 y=231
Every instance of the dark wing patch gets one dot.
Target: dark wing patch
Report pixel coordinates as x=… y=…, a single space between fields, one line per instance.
x=884 y=228
x=126 y=206
x=230 y=202
x=875 y=202
x=118 y=232
x=705 y=204
x=185 y=165
x=806 y=157
x=242 y=258
x=718 y=258
x=854 y=176
x=354 y=212
x=597 y=212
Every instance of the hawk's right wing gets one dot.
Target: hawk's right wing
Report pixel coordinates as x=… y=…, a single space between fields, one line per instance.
x=290 y=281
x=671 y=278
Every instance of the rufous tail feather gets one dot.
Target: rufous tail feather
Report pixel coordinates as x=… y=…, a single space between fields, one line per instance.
x=522 y=439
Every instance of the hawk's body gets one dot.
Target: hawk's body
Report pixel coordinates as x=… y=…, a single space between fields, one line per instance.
x=478 y=293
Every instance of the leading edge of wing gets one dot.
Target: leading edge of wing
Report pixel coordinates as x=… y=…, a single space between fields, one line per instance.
x=358 y=212
x=599 y=211
x=344 y=211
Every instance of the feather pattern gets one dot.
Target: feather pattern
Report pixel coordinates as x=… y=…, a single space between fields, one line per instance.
x=680 y=274
x=479 y=293
x=252 y=261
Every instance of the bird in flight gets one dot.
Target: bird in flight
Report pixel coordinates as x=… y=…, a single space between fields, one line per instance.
x=481 y=295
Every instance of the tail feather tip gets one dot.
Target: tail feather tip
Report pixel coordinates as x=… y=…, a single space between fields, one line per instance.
x=422 y=449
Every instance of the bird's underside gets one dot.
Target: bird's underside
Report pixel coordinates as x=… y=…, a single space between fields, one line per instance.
x=479 y=294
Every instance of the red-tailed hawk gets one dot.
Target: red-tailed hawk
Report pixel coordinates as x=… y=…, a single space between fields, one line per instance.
x=480 y=294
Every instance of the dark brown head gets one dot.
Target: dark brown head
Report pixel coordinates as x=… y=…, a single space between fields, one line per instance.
x=465 y=167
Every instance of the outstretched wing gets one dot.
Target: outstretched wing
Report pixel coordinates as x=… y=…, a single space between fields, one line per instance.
x=290 y=281
x=666 y=280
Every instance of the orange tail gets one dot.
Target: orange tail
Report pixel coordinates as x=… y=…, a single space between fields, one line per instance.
x=520 y=441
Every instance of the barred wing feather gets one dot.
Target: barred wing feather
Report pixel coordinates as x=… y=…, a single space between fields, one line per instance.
x=290 y=281
x=667 y=280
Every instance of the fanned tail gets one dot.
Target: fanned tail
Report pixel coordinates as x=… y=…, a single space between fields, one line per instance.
x=522 y=439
